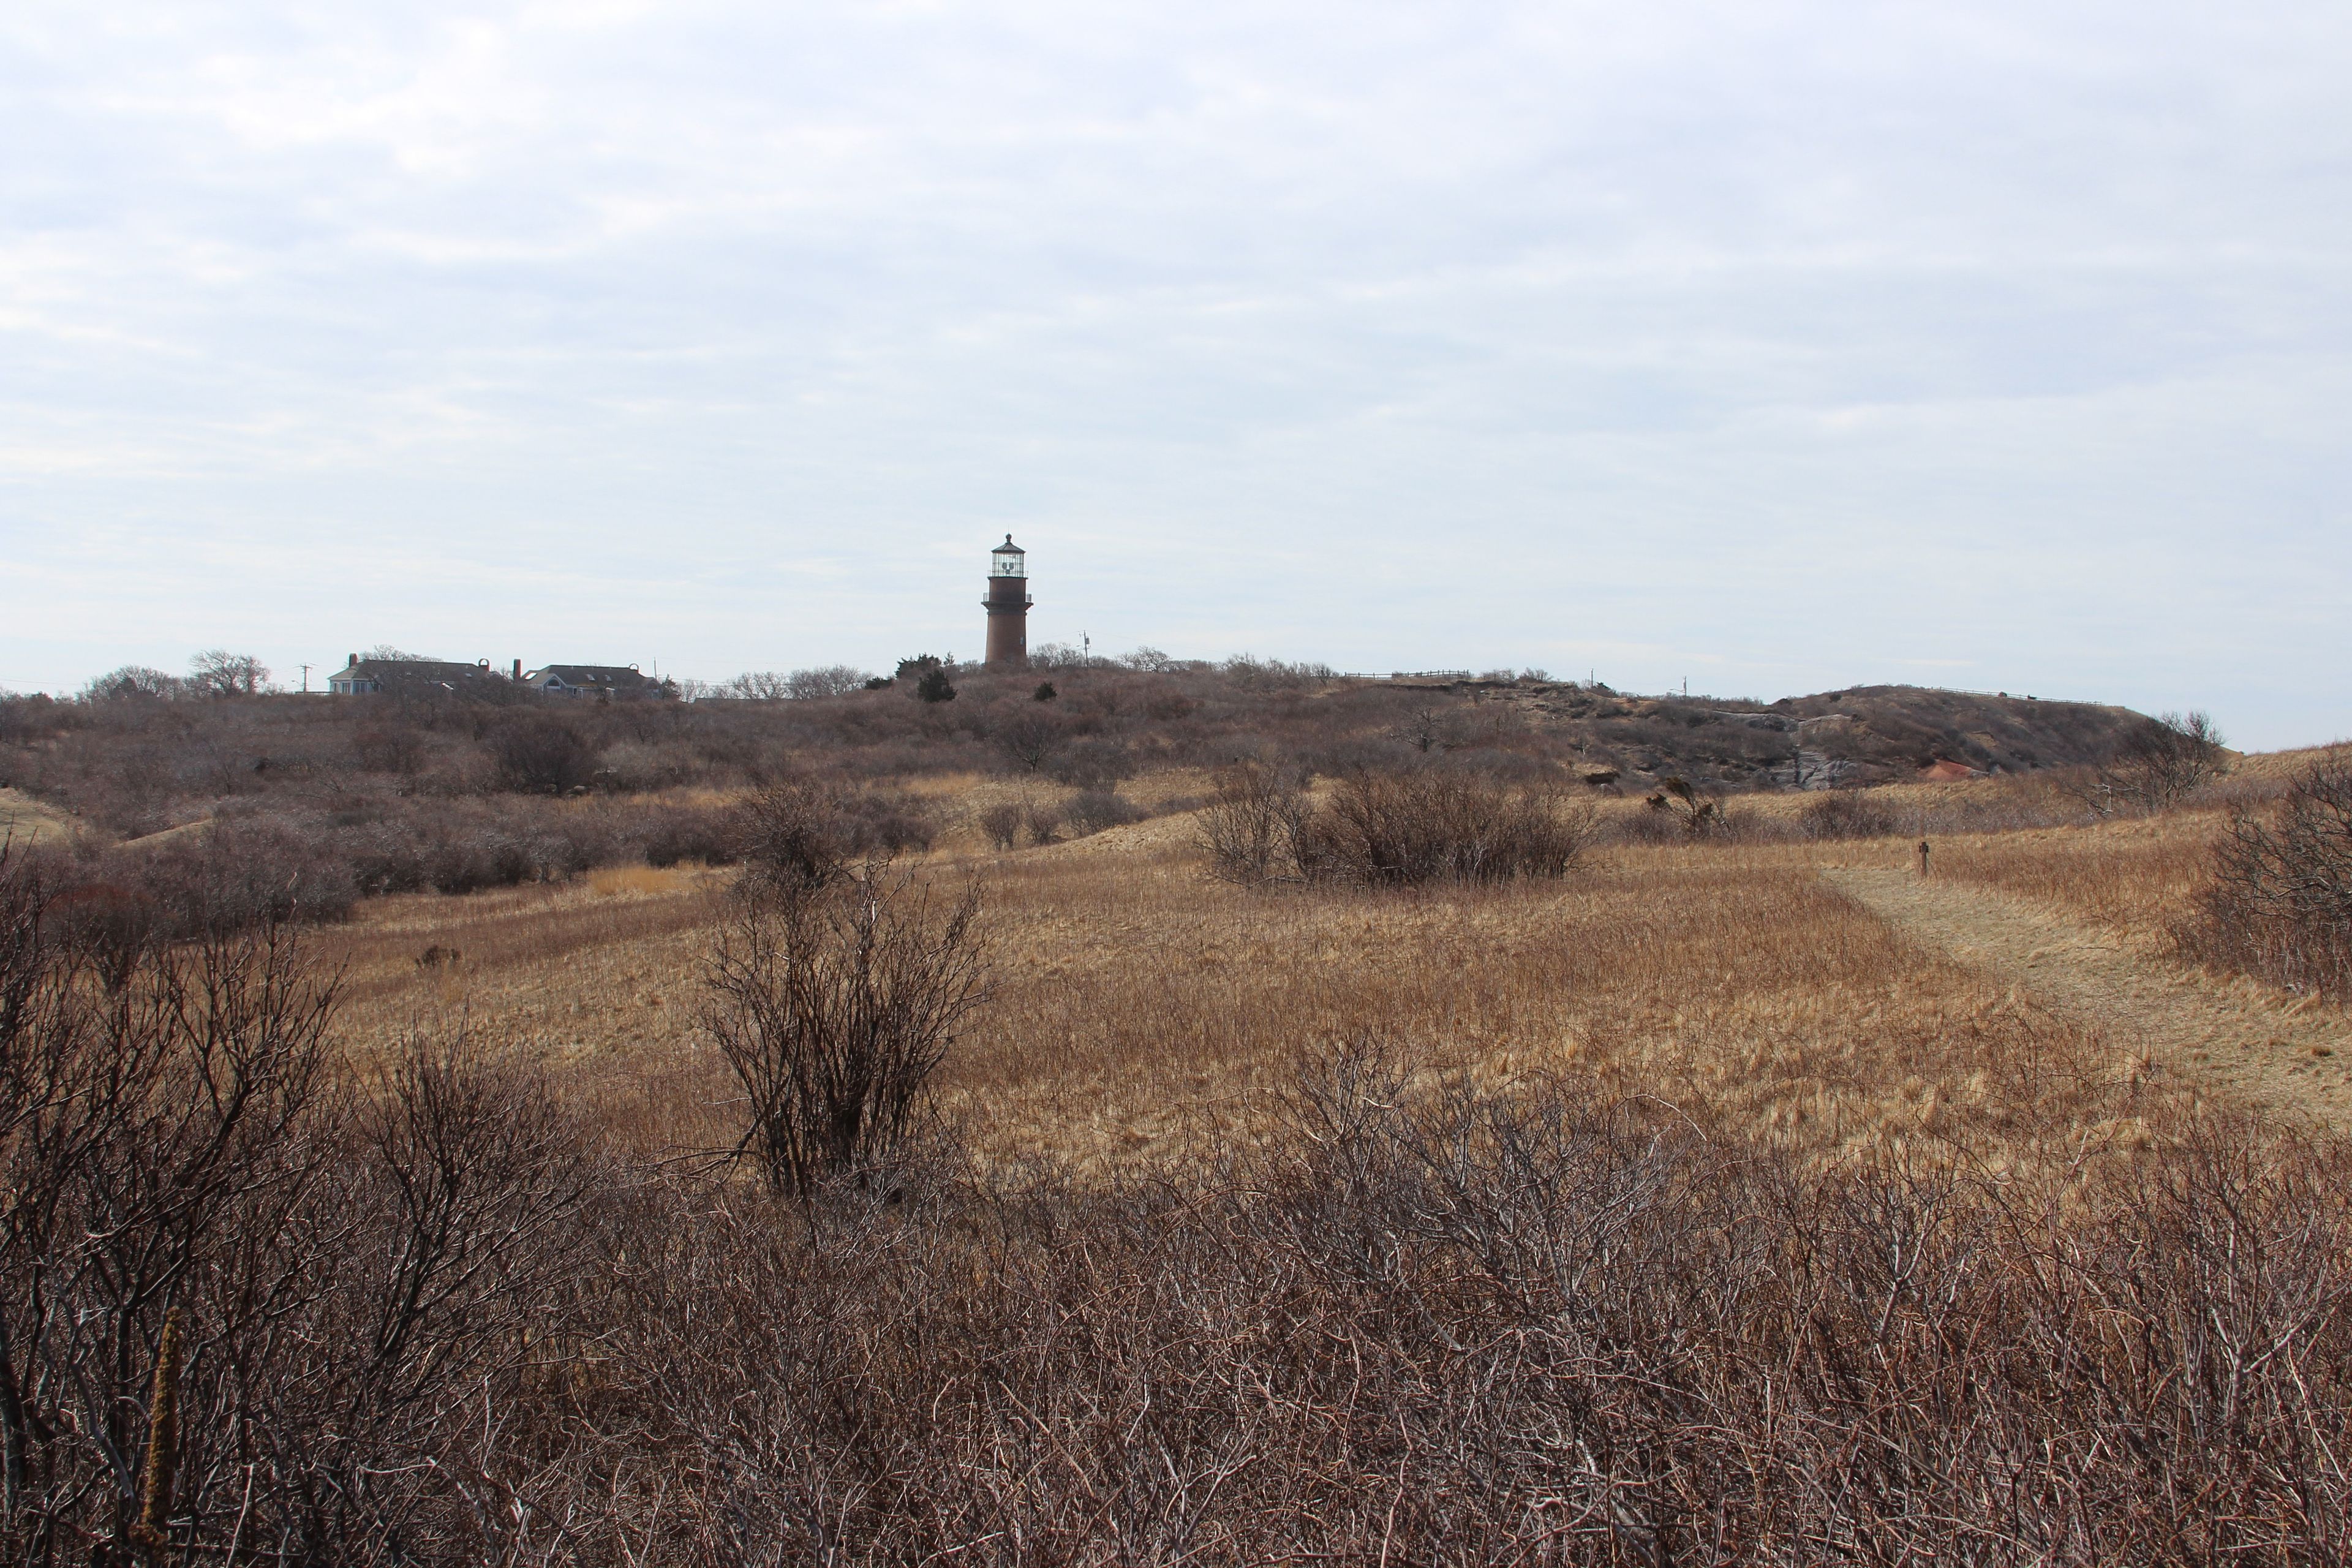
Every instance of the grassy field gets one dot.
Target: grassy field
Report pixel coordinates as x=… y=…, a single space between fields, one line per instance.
x=1141 y=1010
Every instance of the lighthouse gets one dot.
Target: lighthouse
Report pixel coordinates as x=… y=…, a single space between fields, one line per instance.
x=1008 y=606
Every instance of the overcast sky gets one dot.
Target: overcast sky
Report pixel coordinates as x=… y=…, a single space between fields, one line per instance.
x=1778 y=347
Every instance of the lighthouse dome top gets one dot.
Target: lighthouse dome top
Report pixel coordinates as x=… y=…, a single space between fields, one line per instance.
x=1007 y=560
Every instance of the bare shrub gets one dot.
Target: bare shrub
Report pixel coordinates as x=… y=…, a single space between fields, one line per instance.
x=1428 y=825
x=543 y=754
x=394 y=748
x=1002 y=823
x=1250 y=829
x=1044 y=822
x=1092 y=811
x=2158 y=764
x=1691 y=814
x=1846 y=813
x=1451 y=1325
x=1091 y=761
x=803 y=833
x=313 y=1313
x=24 y=719
x=2279 y=902
x=700 y=834
x=833 y=1003
x=1030 y=738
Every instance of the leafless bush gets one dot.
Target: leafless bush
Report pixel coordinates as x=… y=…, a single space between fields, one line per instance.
x=701 y=834
x=1030 y=738
x=2158 y=764
x=243 y=1311
x=1846 y=813
x=833 y=1003
x=1440 y=1324
x=2279 y=904
x=394 y=748
x=1092 y=811
x=1428 y=825
x=543 y=754
x=1044 y=822
x=806 y=833
x=1690 y=813
x=1250 y=830
x=1091 y=761
x=1002 y=823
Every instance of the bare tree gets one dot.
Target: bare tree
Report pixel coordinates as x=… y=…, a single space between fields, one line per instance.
x=2159 y=762
x=758 y=686
x=133 y=680
x=827 y=680
x=1031 y=738
x=834 y=1004
x=216 y=672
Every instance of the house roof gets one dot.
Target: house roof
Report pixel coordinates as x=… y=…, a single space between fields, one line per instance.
x=614 y=675
x=394 y=671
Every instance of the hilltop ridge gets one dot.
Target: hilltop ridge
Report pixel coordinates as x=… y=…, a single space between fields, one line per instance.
x=1855 y=735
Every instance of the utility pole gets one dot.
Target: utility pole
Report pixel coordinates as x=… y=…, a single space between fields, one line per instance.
x=1086 y=649
x=306 y=679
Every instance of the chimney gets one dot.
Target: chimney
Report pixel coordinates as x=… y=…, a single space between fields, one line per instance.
x=517 y=673
x=354 y=659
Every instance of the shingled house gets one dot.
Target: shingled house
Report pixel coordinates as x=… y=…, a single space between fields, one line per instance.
x=361 y=676
x=604 y=681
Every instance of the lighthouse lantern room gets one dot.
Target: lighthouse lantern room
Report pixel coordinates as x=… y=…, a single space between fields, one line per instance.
x=1008 y=603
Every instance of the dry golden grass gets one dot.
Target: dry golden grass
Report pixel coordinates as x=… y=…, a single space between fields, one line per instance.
x=26 y=821
x=1142 y=1010
x=2136 y=874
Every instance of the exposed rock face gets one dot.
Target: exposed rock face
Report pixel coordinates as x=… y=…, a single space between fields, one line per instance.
x=1865 y=734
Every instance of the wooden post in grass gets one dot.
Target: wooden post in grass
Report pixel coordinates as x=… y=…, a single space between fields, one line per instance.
x=1923 y=857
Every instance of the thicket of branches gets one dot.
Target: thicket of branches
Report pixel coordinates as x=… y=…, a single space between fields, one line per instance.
x=2279 y=904
x=834 y=991
x=2157 y=765
x=1388 y=827
x=246 y=1307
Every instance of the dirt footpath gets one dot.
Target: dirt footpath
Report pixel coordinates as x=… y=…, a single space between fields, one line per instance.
x=2243 y=1038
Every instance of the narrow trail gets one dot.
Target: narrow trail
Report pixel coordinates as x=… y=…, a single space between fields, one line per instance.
x=2255 y=1045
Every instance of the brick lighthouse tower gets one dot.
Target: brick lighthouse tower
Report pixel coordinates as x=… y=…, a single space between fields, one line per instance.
x=1008 y=606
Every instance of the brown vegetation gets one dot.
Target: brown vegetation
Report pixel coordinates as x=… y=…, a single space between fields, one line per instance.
x=1500 y=1179
x=1383 y=828
x=2280 y=902
x=833 y=999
